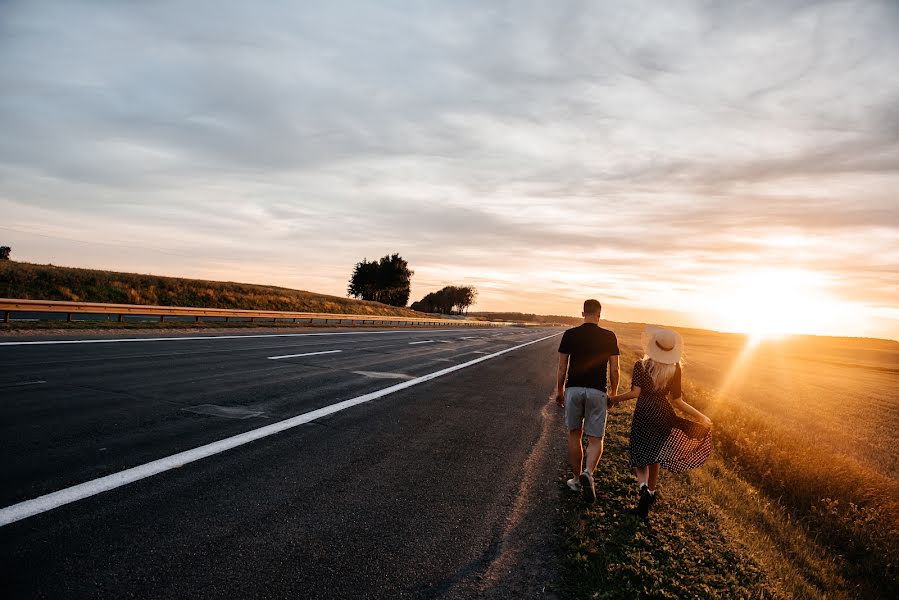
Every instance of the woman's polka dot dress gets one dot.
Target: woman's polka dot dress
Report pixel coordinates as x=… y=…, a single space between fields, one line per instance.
x=658 y=435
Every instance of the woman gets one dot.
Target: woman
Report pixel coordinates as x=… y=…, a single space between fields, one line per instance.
x=658 y=436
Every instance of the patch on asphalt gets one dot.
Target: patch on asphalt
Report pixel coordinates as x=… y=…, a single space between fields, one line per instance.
x=382 y=375
x=227 y=412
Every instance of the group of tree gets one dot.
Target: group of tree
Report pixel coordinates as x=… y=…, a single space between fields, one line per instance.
x=4 y=252
x=450 y=300
x=387 y=280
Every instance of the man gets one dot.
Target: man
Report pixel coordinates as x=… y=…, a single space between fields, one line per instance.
x=584 y=354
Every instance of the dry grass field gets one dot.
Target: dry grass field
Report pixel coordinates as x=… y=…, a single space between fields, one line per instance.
x=49 y=282
x=801 y=490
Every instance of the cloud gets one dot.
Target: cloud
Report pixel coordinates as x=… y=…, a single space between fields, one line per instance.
x=502 y=143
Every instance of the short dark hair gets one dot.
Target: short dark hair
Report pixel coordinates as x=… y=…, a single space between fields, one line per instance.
x=592 y=307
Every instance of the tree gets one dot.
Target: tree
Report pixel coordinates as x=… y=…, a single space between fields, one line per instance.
x=387 y=280
x=4 y=252
x=449 y=300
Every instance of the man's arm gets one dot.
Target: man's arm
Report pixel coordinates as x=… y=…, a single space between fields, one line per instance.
x=560 y=379
x=614 y=371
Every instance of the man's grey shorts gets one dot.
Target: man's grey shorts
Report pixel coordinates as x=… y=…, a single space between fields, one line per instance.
x=587 y=406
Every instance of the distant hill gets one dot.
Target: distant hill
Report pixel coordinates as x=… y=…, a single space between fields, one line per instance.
x=48 y=282
x=526 y=318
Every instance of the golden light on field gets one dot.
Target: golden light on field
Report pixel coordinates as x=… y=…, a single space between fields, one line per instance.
x=773 y=302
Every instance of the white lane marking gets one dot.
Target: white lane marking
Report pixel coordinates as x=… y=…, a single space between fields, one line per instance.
x=218 y=337
x=42 y=504
x=22 y=383
x=303 y=354
x=422 y=342
x=479 y=352
x=444 y=342
x=383 y=375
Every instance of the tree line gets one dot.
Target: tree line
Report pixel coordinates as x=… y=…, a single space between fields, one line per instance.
x=388 y=280
x=450 y=300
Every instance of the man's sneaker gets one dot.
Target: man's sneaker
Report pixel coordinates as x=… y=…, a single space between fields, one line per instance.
x=574 y=485
x=645 y=500
x=587 y=485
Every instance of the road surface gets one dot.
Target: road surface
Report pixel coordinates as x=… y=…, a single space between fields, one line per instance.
x=384 y=483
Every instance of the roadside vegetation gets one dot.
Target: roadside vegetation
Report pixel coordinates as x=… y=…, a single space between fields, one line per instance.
x=387 y=280
x=451 y=300
x=48 y=282
x=527 y=318
x=797 y=501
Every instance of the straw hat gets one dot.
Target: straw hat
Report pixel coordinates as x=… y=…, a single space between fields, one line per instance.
x=662 y=345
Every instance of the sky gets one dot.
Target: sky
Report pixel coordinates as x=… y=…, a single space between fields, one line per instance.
x=727 y=165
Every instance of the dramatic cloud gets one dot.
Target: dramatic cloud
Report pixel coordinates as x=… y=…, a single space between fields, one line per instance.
x=542 y=151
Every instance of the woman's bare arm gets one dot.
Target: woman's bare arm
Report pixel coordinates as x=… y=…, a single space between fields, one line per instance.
x=682 y=406
x=635 y=392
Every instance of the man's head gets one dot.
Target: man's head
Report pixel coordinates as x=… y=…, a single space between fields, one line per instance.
x=592 y=308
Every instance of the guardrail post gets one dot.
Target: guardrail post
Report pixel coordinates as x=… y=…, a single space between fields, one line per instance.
x=119 y=318
x=68 y=317
x=197 y=319
x=6 y=316
x=226 y=319
x=252 y=319
x=161 y=318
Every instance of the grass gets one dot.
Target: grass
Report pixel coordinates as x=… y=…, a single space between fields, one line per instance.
x=527 y=318
x=47 y=282
x=683 y=551
x=799 y=499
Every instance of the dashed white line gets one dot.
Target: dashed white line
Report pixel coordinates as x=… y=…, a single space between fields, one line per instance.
x=303 y=354
x=40 y=382
x=47 y=502
x=383 y=375
x=422 y=342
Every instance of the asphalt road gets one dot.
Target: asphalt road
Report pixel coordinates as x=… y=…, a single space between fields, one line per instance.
x=447 y=488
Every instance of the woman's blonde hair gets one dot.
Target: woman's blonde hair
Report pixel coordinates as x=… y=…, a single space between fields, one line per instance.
x=660 y=373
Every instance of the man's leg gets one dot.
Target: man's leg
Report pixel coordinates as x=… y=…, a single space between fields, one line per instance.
x=595 y=426
x=575 y=450
x=594 y=452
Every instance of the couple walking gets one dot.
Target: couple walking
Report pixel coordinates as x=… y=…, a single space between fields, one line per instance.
x=658 y=436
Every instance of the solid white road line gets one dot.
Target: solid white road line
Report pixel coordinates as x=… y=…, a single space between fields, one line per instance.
x=22 y=383
x=42 y=504
x=422 y=342
x=218 y=337
x=304 y=354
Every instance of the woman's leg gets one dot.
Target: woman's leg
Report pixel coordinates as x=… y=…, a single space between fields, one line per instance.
x=653 y=476
x=642 y=475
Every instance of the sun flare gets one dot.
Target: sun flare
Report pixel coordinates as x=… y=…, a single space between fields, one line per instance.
x=774 y=303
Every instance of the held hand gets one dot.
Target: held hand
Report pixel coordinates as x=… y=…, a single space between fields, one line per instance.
x=558 y=397
x=706 y=421
x=611 y=401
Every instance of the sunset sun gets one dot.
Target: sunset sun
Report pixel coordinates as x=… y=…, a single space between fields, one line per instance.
x=774 y=302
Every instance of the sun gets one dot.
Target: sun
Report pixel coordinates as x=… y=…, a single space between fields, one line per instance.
x=768 y=303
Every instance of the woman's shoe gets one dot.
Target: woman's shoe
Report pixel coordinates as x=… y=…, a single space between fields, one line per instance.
x=645 y=500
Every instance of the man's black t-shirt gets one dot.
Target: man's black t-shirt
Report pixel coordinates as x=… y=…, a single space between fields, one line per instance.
x=589 y=347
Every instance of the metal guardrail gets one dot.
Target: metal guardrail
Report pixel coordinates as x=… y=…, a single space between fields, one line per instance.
x=8 y=306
